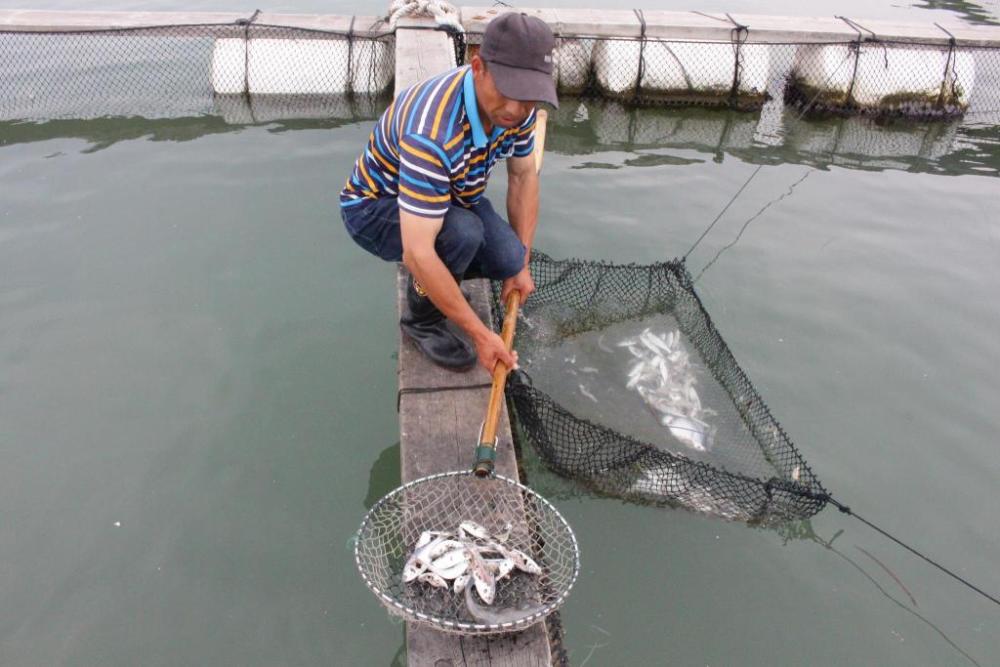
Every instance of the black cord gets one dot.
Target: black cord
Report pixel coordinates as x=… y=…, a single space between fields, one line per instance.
x=642 y=52
x=805 y=108
x=434 y=390
x=825 y=497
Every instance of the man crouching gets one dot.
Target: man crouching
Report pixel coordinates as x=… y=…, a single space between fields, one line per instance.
x=416 y=192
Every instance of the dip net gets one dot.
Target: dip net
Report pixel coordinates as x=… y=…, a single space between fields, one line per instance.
x=626 y=386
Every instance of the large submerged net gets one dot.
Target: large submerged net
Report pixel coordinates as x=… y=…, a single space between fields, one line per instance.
x=627 y=386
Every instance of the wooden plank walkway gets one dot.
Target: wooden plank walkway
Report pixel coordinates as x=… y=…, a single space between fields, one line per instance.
x=440 y=412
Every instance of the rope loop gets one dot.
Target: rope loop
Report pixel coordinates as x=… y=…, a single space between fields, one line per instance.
x=443 y=12
x=950 y=74
x=738 y=36
x=642 y=53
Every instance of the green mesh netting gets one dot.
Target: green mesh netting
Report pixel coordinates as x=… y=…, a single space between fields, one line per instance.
x=627 y=386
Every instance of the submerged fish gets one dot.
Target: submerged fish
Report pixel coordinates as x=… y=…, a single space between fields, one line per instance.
x=662 y=375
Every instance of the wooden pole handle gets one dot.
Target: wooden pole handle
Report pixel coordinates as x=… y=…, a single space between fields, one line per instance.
x=486 y=451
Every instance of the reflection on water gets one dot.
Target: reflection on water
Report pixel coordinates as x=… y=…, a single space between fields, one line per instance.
x=969 y=11
x=384 y=475
x=582 y=127
x=102 y=133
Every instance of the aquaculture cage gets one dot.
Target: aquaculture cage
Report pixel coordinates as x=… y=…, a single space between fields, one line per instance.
x=867 y=75
x=244 y=70
x=627 y=387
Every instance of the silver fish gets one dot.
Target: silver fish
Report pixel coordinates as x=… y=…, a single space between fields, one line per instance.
x=500 y=567
x=585 y=392
x=482 y=578
x=504 y=534
x=474 y=529
x=452 y=564
x=435 y=548
x=489 y=616
x=522 y=561
x=412 y=570
x=462 y=582
x=433 y=580
x=688 y=430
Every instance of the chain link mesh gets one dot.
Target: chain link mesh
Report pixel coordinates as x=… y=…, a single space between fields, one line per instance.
x=874 y=77
x=577 y=412
x=390 y=531
x=244 y=73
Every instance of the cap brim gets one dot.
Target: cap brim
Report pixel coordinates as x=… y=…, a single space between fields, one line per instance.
x=524 y=85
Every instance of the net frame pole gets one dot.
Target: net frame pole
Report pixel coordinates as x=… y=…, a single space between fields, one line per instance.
x=486 y=451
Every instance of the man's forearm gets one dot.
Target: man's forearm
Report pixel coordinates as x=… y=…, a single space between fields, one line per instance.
x=444 y=292
x=522 y=207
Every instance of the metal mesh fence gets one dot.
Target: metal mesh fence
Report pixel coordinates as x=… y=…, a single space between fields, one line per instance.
x=244 y=73
x=628 y=387
x=874 y=77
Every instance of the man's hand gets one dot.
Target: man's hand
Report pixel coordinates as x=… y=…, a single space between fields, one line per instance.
x=522 y=282
x=491 y=349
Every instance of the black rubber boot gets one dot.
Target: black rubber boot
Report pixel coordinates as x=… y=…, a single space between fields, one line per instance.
x=428 y=328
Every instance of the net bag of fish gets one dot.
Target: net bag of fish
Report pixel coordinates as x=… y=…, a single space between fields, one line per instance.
x=626 y=385
x=467 y=555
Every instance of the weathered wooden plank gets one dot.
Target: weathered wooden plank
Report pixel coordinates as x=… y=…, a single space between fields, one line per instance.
x=440 y=411
x=438 y=432
x=420 y=54
x=29 y=20
x=717 y=27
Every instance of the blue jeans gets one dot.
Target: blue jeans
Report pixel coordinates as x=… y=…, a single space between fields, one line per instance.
x=472 y=241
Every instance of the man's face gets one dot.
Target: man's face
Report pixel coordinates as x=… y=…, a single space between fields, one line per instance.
x=500 y=111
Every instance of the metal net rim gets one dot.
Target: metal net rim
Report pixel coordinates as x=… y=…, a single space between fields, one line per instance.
x=445 y=625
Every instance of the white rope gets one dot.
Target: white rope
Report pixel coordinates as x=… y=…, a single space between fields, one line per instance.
x=443 y=12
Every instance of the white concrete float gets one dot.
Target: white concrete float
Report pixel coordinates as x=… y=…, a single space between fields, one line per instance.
x=266 y=66
x=572 y=61
x=883 y=78
x=699 y=72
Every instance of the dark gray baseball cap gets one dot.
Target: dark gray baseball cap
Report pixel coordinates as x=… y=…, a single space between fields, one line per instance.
x=518 y=50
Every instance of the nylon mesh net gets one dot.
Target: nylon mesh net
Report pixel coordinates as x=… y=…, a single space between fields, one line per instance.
x=627 y=386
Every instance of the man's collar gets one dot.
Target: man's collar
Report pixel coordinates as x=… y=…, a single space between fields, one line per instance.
x=472 y=111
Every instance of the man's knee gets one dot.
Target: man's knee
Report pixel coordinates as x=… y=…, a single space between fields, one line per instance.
x=507 y=260
x=460 y=239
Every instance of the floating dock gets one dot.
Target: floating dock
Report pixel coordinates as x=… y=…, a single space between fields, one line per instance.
x=252 y=68
x=440 y=411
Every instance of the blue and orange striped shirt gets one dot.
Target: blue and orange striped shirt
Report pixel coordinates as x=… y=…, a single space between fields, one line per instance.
x=430 y=150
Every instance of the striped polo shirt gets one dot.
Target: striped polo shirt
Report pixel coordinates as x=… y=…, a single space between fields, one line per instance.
x=430 y=150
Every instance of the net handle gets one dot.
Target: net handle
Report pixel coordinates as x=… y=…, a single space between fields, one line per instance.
x=486 y=452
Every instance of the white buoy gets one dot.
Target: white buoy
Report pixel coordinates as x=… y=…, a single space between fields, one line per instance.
x=616 y=64
x=694 y=71
x=890 y=78
x=301 y=66
x=571 y=61
x=229 y=69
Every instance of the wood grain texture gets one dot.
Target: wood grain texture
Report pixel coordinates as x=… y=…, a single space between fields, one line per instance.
x=440 y=413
